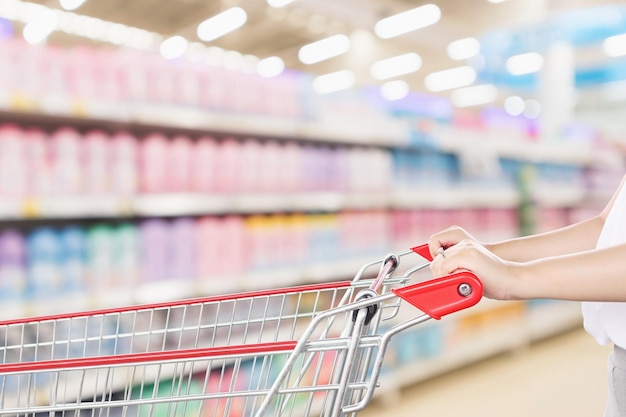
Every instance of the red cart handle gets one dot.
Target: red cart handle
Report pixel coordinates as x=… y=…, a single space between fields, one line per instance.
x=441 y=296
x=423 y=251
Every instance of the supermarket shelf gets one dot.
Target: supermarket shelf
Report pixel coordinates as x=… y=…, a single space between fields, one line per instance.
x=508 y=145
x=191 y=121
x=383 y=132
x=190 y=204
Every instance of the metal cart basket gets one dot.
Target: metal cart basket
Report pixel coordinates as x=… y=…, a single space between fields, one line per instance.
x=300 y=351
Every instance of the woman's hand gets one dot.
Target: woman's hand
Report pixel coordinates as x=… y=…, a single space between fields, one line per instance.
x=447 y=238
x=499 y=277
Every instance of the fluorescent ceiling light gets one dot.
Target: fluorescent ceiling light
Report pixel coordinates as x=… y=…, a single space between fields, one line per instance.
x=335 y=81
x=463 y=49
x=496 y=1
x=173 y=47
x=450 y=79
x=104 y=31
x=615 y=45
x=270 y=67
x=394 y=90
x=524 y=63
x=279 y=3
x=324 y=49
x=514 y=105
x=408 y=21
x=222 y=24
x=38 y=29
x=474 y=95
x=71 y=4
x=396 y=66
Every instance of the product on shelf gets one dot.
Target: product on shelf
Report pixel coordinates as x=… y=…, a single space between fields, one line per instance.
x=178 y=164
x=73 y=259
x=44 y=272
x=66 y=161
x=96 y=162
x=153 y=154
x=124 y=171
x=204 y=158
x=12 y=265
x=103 y=82
x=13 y=169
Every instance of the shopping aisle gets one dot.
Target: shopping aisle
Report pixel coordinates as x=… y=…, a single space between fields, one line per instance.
x=562 y=376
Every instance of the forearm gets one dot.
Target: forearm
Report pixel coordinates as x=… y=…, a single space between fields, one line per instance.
x=594 y=275
x=578 y=237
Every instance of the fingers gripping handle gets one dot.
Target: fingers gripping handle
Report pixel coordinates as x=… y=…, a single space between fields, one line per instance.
x=441 y=296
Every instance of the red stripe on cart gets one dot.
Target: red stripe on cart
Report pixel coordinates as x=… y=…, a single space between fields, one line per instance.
x=168 y=304
x=148 y=357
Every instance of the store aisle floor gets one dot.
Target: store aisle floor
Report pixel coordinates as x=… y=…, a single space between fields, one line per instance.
x=562 y=376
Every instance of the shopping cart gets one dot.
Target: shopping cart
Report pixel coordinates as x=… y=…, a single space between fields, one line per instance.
x=300 y=351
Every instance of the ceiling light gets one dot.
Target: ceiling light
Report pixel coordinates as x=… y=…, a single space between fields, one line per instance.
x=496 y=1
x=396 y=66
x=394 y=90
x=615 y=45
x=221 y=24
x=474 y=96
x=514 y=105
x=279 y=3
x=463 y=49
x=270 y=67
x=324 y=49
x=450 y=79
x=407 y=21
x=39 y=28
x=335 y=81
x=174 y=47
x=524 y=63
x=71 y=4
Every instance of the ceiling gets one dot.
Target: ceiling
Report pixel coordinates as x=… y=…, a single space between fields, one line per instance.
x=282 y=31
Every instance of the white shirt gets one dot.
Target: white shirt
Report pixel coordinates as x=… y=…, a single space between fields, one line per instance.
x=606 y=322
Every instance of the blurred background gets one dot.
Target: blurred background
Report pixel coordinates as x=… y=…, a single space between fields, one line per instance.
x=185 y=147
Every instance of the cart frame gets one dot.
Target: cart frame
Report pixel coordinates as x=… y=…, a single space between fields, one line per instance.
x=285 y=333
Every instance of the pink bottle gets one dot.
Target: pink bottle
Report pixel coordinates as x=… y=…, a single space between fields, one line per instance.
x=13 y=171
x=152 y=159
x=129 y=67
x=38 y=163
x=213 y=88
x=187 y=83
x=228 y=172
x=159 y=79
x=271 y=167
x=290 y=179
x=124 y=164
x=66 y=163
x=107 y=87
x=203 y=165
x=252 y=166
x=178 y=164
x=96 y=162
x=80 y=74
